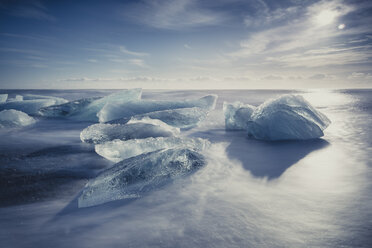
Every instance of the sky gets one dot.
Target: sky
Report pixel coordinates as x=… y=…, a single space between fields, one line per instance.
x=185 y=44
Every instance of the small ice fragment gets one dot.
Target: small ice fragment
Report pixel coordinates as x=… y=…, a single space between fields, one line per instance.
x=3 y=97
x=135 y=176
x=237 y=115
x=118 y=150
x=115 y=111
x=15 y=118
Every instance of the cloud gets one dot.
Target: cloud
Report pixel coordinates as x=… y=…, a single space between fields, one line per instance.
x=137 y=54
x=172 y=14
x=187 y=46
x=138 y=62
x=306 y=37
x=272 y=77
x=32 y=10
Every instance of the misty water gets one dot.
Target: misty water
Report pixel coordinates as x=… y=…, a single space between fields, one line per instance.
x=315 y=193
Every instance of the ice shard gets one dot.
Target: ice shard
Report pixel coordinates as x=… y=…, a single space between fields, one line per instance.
x=118 y=150
x=28 y=106
x=87 y=109
x=184 y=118
x=126 y=110
x=135 y=129
x=3 y=97
x=138 y=175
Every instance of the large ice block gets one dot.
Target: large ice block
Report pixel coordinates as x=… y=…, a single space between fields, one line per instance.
x=113 y=111
x=87 y=109
x=289 y=117
x=135 y=129
x=184 y=118
x=135 y=176
x=237 y=115
x=15 y=118
x=118 y=150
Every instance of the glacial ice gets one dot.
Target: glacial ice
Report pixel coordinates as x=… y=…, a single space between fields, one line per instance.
x=15 y=98
x=28 y=106
x=3 y=97
x=289 y=117
x=125 y=110
x=87 y=109
x=184 y=118
x=134 y=129
x=237 y=115
x=135 y=176
x=118 y=150
x=57 y=100
x=15 y=118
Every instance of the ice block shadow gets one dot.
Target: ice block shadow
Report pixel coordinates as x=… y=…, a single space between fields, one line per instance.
x=270 y=158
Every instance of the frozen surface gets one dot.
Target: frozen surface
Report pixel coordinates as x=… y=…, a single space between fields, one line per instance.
x=134 y=129
x=116 y=111
x=289 y=117
x=87 y=109
x=3 y=97
x=15 y=118
x=237 y=115
x=135 y=176
x=118 y=150
x=250 y=193
x=184 y=118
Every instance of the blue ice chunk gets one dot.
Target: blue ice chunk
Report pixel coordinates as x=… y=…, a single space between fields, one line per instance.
x=289 y=117
x=237 y=115
x=138 y=175
x=87 y=109
x=125 y=110
x=135 y=129
x=15 y=118
x=184 y=118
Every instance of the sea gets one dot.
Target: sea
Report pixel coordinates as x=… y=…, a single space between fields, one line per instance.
x=251 y=193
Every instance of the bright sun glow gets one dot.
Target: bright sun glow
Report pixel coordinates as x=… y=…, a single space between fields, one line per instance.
x=325 y=17
x=341 y=26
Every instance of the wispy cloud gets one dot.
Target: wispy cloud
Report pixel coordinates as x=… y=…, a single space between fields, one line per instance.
x=138 y=62
x=172 y=14
x=33 y=10
x=137 y=54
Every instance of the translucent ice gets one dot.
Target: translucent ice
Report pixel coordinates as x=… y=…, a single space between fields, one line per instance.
x=15 y=98
x=57 y=100
x=135 y=176
x=116 y=111
x=87 y=109
x=3 y=97
x=289 y=117
x=184 y=118
x=118 y=150
x=135 y=129
x=15 y=118
x=237 y=115
x=28 y=106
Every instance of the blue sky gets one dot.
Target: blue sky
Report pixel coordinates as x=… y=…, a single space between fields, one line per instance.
x=186 y=44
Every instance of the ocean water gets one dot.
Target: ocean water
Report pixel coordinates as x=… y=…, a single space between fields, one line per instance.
x=315 y=193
